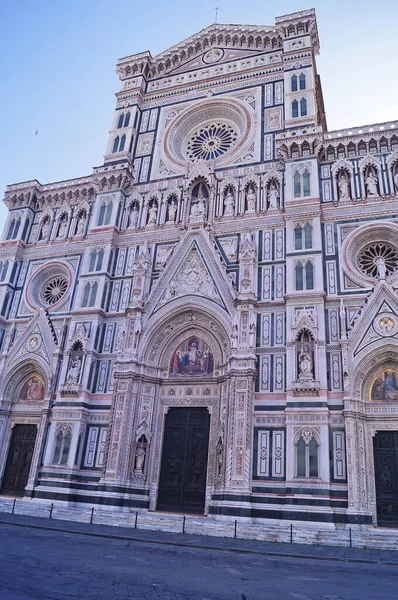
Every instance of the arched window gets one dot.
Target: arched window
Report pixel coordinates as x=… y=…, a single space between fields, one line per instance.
x=303 y=107
x=295 y=109
x=299 y=277
x=309 y=276
x=297 y=184
x=123 y=141
x=120 y=122
x=4 y=269
x=100 y=259
x=306 y=184
x=86 y=294
x=302 y=82
x=298 y=237
x=294 y=83
x=101 y=215
x=307 y=456
x=127 y=120
x=108 y=213
x=10 y=233
x=62 y=445
x=300 y=449
x=93 y=294
x=308 y=236
x=93 y=257
x=115 y=144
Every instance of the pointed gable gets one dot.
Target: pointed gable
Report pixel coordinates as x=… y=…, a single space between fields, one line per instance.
x=193 y=271
x=37 y=341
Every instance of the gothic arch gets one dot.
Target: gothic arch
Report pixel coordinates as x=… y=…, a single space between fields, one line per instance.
x=172 y=325
x=377 y=359
x=19 y=375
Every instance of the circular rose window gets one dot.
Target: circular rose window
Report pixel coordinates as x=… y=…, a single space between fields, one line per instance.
x=219 y=129
x=48 y=286
x=211 y=141
x=371 y=255
x=54 y=290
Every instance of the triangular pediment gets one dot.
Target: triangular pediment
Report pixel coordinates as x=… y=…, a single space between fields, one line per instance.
x=377 y=320
x=193 y=271
x=214 y=56
x=36 y=342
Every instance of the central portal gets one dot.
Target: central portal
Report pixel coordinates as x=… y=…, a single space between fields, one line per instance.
x=183 y=473
x=19 y=459
x=385 y=445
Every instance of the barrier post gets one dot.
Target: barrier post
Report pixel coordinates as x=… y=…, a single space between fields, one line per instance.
x=92 y=515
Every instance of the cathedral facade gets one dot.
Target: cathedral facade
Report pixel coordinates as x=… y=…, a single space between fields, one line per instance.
x=208 y=323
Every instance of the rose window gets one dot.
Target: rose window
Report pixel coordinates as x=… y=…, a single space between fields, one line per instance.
x=211 y=141
x=370 y=256
x=54 y=290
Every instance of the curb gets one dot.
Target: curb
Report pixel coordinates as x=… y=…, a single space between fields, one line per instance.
x=181 y=544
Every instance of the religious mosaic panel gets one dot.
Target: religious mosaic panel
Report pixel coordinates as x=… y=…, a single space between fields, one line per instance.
x=385 y=386
x=192 y=358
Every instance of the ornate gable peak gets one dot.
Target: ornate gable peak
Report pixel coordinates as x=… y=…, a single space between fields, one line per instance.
x=393 y=158
x=198 y=169
x=342 y=164
x=375 y=301
x=369 y=159
x=37 y=342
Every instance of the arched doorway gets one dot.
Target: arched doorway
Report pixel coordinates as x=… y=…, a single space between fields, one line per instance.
x=183 y=468
x=385 y=449
x=21 y=429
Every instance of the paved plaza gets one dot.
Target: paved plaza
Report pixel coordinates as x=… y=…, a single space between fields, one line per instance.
x=58 y=560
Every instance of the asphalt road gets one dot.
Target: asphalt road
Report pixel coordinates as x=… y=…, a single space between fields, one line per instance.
x=56 y=565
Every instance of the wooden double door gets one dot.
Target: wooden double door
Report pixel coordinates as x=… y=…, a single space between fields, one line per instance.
x=19 y=459
x=183 y=473
x=385 y=447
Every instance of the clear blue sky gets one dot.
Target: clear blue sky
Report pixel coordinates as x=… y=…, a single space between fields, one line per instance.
x=57 y=61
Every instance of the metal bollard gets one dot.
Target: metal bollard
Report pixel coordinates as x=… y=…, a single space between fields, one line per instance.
x=291 y=533
x=350 y=538
x=92 y=516
x=13 y=506
x=136 y=519
x=236 y=526
x=183 y=524
x=51 y=510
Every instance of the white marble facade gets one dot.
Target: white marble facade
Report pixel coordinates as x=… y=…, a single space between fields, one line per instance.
x=230 y=254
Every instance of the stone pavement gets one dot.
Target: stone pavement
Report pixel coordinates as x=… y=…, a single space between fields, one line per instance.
x=243 y=546
x=40 y=560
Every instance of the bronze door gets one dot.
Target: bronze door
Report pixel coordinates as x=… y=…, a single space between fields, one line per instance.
x=19 y=459
x=385 y=445
x=183 y=472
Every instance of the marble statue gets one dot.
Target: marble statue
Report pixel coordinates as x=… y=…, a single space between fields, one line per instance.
x=305 y=363
x=133 y=217
x=251 y=200
x=74 y=369
x=153 y=213
x=381 y=267
x=344 y=189
x=229 y=204
x=172 y=210
x=273 y=197
x=140 y=458
x=81 y=225
x=371 y=184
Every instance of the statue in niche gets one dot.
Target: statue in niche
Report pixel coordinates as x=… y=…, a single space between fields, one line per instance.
x=81 y=225
x=153 y=213
x=396 y=180
x=140 y=458
x=172 y=210
x=273 y=197
x=133 y=217
x=371 y=184
x=229 y=203
x=250 y=199
x=219 y=454
x=305 y=364
x=381 y=267
x=198 y=209
x=63 y=225
x=45 y=229
x=234 y=336
x=344 y=187
x=74 y=369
